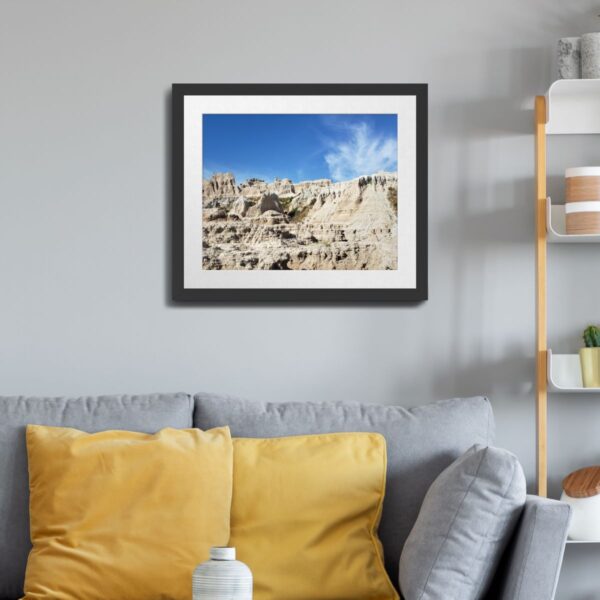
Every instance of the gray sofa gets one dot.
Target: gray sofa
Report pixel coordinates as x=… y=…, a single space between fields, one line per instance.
x=421 y=443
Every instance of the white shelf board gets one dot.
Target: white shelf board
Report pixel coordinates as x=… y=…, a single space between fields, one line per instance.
x=573 y=106
x=557 y=229
x=564 y=374
x=583 y=542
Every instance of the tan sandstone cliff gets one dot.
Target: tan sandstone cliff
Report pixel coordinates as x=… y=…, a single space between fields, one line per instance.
x=307 y=225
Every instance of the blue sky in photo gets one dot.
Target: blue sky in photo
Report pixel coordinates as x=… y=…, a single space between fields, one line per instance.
x=299 y=146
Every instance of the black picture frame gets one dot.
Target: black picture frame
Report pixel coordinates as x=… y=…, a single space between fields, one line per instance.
x=299 y=296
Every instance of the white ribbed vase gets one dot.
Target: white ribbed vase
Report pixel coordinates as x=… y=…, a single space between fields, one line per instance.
x=222 y=577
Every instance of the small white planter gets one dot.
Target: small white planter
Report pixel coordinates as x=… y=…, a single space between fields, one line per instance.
x=222 y=577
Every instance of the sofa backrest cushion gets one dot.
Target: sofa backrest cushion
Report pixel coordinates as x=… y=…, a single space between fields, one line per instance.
x=421 y=443
x=147 y=414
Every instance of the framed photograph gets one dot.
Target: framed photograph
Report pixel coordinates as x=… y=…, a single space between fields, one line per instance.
x=299 y=193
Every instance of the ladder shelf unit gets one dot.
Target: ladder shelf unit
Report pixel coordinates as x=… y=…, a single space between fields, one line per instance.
x=571 y=106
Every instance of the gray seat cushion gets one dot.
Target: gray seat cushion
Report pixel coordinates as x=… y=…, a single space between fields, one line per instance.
x=136 y=413
x=466 y=521
x=421 y=443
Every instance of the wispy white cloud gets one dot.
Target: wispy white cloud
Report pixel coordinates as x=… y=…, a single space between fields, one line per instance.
x=361 y=151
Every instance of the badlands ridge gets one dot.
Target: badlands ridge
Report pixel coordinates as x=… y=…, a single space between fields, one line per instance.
x=308 y=225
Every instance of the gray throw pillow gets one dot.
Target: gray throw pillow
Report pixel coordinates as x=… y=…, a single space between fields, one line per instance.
x=466 y=520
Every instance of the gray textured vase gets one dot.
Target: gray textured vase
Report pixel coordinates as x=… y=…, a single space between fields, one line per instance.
x=569 y=58
x=222 y=577
x=590 y=55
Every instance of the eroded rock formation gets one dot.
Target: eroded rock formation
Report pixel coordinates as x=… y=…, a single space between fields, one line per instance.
x=307 y=225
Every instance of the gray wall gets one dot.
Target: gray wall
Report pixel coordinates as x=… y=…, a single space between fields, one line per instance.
x=84 y=194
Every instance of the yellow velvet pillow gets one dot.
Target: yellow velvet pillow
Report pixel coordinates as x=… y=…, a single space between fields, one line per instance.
x=305 y=513
x=124 y=516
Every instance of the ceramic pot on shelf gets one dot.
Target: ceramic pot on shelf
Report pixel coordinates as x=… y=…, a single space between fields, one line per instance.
x=590 y=367
x=590 y=55
x=569 y=58
x=582 y=210
x=581 y=490
x=222 y=577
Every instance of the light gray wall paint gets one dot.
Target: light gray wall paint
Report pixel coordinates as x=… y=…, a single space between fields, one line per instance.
x=84 y=154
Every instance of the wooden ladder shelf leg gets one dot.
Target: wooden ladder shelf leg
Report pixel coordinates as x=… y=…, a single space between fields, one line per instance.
x=541 y=298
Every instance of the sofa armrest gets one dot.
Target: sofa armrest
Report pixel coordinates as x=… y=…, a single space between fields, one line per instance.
x=532 y=562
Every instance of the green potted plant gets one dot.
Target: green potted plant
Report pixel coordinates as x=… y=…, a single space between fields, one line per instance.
x=590 y=357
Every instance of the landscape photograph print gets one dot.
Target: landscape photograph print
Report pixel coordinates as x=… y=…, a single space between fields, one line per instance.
x=305 y=192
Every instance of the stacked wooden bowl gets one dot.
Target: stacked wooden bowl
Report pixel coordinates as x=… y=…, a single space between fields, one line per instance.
x=582 y=209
